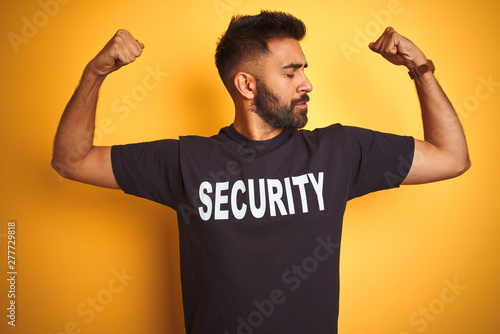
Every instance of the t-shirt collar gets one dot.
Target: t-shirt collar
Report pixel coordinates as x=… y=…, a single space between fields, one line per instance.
x=261 y=145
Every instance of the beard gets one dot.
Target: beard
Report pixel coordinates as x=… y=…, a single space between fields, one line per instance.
x=279 y=115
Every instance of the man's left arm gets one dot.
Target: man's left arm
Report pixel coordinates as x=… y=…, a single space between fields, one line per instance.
x=443 y=153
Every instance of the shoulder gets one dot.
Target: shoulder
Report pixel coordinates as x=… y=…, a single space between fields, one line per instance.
x=152 y=147
x=334 y=132
x=336 y=129
x=222 y=136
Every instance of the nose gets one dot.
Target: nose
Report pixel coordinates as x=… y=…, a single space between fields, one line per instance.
x=305 y=86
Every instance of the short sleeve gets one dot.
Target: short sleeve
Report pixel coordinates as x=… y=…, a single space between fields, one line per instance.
x=379 y=160
x=149 y=170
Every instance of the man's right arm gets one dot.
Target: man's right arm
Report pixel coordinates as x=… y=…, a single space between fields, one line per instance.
x=74 y=155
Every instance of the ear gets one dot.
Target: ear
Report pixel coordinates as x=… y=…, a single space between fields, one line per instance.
x=245 y=84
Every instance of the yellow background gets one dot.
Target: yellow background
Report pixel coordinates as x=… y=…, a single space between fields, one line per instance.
x=400 y=248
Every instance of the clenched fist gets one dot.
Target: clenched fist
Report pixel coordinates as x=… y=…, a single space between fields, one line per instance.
x=398 y=49
x=121 y=50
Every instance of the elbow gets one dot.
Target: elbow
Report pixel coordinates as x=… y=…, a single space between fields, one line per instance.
x=467 y=166
x=60 y=168
x=66 y=163
x=57 y=166
x=462 y=166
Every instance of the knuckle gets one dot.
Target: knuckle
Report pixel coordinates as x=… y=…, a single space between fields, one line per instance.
x=117 y=40
x=115 y=47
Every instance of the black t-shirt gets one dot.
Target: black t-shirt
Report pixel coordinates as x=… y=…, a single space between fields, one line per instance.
x=260 y=221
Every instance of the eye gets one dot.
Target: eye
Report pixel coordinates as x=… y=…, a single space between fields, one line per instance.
x=290 y=75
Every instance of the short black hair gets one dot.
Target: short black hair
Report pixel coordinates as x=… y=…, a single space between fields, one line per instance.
x=247 y=35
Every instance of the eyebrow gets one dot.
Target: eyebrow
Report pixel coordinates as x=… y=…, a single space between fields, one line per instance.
x=295 y=65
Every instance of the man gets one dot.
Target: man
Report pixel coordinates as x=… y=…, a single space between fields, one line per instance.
x=260 y=205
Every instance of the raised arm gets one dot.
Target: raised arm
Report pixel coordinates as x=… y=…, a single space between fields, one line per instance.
x=443 y=153
x=74 y=155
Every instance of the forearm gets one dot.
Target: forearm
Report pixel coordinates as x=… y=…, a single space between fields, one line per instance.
x=441 y=125
x=443 y=153
x=74 y=155
x=74 y=137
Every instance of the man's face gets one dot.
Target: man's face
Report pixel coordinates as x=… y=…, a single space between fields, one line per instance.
x=281 y=98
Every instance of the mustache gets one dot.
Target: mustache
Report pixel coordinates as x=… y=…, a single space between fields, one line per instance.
x=303 y=99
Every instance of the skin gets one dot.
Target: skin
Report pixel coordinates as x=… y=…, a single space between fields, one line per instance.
x=441 y=155
x=74 y=155
x=287 y=83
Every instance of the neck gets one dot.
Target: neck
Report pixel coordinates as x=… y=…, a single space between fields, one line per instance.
x=250 y=125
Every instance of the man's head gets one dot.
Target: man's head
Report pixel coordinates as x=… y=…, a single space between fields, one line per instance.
x=263 y=52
